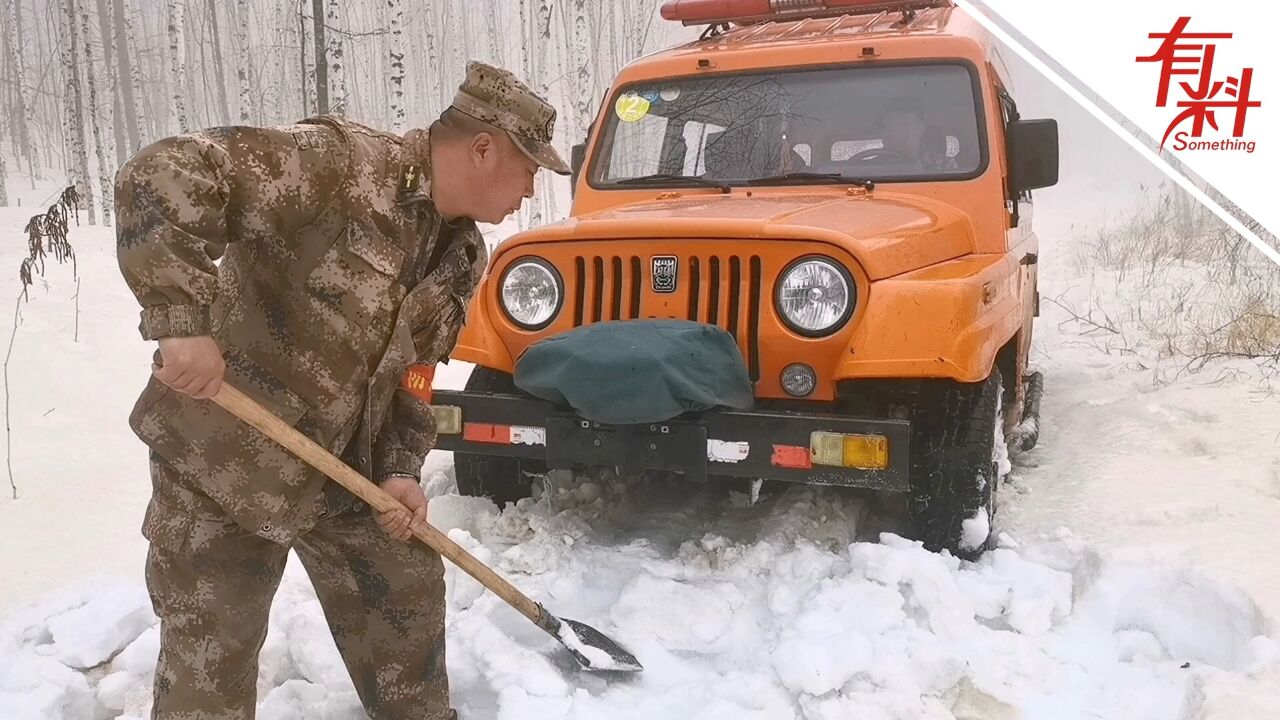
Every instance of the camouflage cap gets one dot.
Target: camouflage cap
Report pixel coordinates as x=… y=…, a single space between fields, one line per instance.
x=497 y=97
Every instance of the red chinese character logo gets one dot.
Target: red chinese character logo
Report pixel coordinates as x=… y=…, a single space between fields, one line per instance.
x=1184 y=53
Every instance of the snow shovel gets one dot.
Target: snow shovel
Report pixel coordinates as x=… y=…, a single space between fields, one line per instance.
x=588 y=646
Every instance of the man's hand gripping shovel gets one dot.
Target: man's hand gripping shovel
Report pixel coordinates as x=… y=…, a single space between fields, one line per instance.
x=588 y=646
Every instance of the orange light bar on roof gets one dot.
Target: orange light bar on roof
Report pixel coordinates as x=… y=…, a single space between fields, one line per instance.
x=703 y=11
x=697 y=12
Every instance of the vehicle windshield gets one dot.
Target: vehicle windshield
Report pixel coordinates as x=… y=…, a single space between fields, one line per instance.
x=885 y=123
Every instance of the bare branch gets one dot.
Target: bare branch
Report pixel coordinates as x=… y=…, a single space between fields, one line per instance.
x=1088 y=320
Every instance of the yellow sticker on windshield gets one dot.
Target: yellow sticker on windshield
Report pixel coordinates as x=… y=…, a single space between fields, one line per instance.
x=631 y=107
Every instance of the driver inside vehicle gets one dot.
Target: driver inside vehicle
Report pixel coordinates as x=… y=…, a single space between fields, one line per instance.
x=906 y=138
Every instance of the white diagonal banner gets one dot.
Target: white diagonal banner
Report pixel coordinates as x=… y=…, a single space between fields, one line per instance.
x=1090 y=49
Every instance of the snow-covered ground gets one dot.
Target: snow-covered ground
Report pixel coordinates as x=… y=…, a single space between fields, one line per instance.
x=772 y=611
x=1135 y=578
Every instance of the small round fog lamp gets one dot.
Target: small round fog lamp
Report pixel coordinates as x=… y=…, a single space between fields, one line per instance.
x=798 y=380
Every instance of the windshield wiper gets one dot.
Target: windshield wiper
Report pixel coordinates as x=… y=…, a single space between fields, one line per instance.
x=804 y=177
x=668 y=177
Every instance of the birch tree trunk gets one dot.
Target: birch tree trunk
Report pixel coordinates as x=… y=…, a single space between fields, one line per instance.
x=351 y=82
x=337 y=68
x=55 y=139
x=277 y=71
x=579 y=76
x=45 y=104
x=224 y=109
x=434 y=81
x=306 y=59
x=322 y=61
x=199 y=91
x=113 y=82
x=45 y=101
x=24 y=119
x=306 y=66
x=7 y=121
x=641 y=23
x=535 y=38
x=529 y=215
x=542 y=43
x=128 y=79
x=242 y=67
x=4 y=191
x=470 y=48
x=396 y=12
x=78 y=167
x=105 y=172
x=526 y=56
x=604 y=61
x=152 y=123
x=492 y=18
x=178 y=60
x=446 y=52
x=460 y=48
x=613 y=41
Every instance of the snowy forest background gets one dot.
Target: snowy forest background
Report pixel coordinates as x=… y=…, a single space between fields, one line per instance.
x=89 y=82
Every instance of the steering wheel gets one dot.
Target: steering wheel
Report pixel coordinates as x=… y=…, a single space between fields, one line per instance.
x=876 y=153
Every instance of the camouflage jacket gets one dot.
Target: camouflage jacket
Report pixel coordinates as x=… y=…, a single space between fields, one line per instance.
x=336 y=272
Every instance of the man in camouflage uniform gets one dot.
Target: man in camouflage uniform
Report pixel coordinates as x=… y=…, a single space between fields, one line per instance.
x=347 y=255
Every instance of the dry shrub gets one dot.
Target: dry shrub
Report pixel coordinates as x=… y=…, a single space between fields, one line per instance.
x=46 y=235
x=1172 y=280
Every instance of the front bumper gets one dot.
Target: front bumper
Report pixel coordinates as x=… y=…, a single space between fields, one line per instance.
x=754 y=444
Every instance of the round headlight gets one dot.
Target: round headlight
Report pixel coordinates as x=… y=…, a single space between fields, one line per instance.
x=815 y=296
x=531 y=293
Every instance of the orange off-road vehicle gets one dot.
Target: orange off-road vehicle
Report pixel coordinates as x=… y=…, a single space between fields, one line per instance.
x=840 y=186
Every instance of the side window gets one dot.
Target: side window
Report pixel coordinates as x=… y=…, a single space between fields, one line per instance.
x=1008 y=108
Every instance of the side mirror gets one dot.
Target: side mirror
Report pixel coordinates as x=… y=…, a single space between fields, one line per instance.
x=1033 y=154
x=576 y=157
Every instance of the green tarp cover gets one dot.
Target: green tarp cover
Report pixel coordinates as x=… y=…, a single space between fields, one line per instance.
x=637 y=371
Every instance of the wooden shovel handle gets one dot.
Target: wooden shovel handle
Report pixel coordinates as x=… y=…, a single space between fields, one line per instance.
x=248 y=410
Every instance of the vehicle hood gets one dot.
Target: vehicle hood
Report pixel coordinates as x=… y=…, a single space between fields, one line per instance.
x=889 y=234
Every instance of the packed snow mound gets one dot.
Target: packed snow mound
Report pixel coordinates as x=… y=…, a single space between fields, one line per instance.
x=771 y=611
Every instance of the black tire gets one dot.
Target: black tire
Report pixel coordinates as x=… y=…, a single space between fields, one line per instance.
x=953 y=475
x=501 y=479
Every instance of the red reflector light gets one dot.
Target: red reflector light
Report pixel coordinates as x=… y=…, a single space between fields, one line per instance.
x=792 y=456
x=486 y=433
x=503 y=434
x=693 y=12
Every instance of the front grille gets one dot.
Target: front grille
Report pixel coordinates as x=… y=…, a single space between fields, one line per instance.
x=722 y=290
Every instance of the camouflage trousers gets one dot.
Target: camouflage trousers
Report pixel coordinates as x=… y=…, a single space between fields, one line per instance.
x=212 y=583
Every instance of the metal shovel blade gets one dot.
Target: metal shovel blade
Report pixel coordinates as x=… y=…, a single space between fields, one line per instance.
x=590 y=647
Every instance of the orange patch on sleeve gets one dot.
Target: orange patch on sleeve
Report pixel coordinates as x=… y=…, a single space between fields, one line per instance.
x=417 y=379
